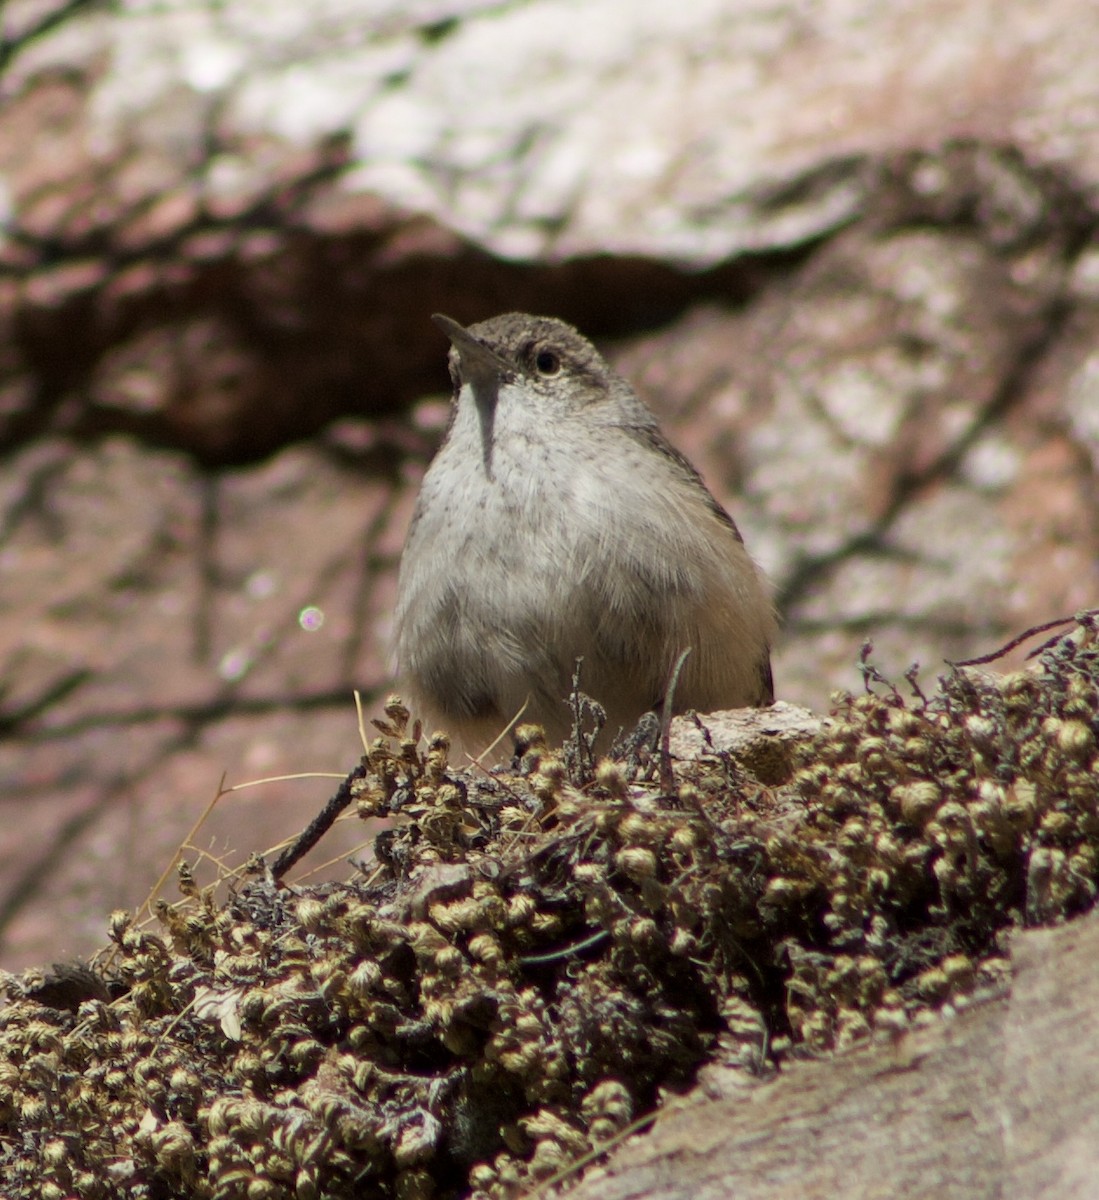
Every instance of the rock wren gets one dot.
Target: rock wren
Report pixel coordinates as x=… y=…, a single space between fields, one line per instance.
x=557 y=523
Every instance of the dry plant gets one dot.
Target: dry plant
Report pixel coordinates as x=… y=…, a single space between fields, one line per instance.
x=537 y=956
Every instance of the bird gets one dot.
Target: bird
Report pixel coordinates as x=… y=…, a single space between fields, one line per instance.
x=556 y=524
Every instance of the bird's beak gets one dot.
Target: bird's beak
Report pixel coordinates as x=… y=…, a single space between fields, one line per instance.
x=477 y=363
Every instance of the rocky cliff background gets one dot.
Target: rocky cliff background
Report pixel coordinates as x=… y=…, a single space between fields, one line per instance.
x=846 y=250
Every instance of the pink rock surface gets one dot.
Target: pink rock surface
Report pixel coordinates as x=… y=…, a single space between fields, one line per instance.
x=848 y=255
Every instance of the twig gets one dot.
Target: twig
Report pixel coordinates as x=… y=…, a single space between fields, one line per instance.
x=222 y=790
x=596 y=1152
x=319 y=826
x=539 y=960
x=667 y=776
x=510 y=727
x=1016 y=641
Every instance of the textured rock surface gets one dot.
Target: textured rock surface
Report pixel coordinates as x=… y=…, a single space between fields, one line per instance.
x=848 y=252
x=993 y=1102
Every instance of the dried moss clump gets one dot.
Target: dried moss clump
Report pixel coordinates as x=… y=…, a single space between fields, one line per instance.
x=541 y=952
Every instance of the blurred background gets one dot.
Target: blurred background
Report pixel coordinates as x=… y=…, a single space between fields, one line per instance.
x=845 y=249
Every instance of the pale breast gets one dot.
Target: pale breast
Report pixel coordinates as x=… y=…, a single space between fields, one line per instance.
x=515 y=570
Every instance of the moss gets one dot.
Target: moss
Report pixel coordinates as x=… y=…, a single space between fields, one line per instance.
x=542 y=952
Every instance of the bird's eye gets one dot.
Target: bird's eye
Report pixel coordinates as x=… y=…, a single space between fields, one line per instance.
x=547 y=363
